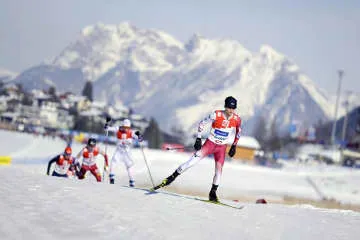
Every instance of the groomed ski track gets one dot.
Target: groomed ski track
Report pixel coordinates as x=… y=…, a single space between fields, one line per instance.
x=36 y=206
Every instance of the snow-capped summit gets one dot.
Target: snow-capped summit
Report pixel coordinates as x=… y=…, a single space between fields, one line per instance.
x=193 y=43
x=215 y=49
x=270 y=53
x=178 y=83
x=100 y=47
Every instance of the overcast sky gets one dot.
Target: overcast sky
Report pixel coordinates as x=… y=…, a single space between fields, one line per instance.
x=320 y=36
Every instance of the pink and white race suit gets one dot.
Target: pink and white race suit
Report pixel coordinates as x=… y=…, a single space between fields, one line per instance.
x=221 y=130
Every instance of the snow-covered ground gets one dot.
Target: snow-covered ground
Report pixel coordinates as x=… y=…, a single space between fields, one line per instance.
x=37 y=206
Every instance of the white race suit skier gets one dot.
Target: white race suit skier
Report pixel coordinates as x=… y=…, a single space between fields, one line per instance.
x=125 y=136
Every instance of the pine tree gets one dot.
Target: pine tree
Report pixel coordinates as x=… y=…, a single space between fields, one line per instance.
x=178 y=134
x=88 y=90
x=274 y=140
x=260 y=132
x=20 y=88
x=27 y=100
x=153 y=134
x=52 y=91
x=2 y=89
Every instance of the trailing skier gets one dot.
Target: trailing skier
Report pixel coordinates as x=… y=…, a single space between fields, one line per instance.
x=64 y=164
x=223 y=122
x=125 y=136
x=88 y=155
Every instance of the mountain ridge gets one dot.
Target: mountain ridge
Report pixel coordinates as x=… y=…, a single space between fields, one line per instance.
x=179 y=83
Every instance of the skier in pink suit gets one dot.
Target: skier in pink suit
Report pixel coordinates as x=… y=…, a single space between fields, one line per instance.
x=223 y=123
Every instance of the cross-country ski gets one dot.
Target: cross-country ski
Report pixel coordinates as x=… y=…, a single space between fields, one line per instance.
x=151 y=191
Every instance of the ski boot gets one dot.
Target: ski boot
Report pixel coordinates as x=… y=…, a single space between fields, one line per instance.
x=166 y=181
x=112 y=178
x=131 y=183
x=212 y=194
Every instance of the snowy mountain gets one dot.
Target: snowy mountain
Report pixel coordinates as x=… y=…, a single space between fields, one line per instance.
x=179 y=83
x=45 y=76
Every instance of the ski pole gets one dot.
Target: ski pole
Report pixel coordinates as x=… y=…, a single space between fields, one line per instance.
x=175 y=148
x=108 y=120
x=152 y=181
x=107 y=134
x=179 y=148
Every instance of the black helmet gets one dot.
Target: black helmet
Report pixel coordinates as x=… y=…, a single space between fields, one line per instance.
x=230 y=102
x=92 y=142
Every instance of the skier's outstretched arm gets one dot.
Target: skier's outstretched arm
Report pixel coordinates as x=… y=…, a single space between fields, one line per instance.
x=111 y=128
x=203 y=123
x=50 y=163
x=137 y=135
